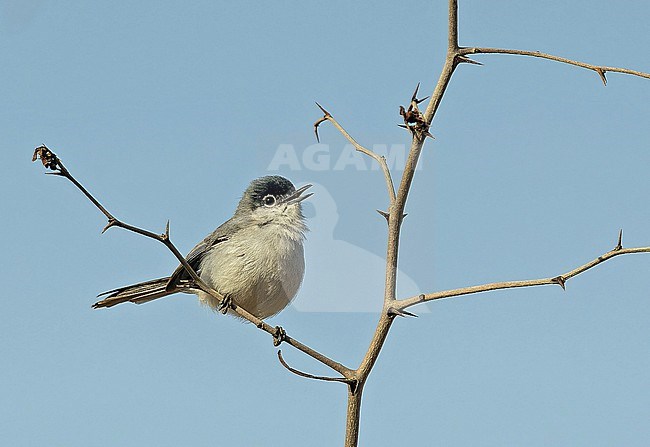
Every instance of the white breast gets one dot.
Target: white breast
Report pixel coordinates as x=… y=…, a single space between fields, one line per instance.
x=261 y=268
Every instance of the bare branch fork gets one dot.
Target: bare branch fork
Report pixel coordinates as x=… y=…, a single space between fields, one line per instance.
x=418 y=123
x=52 y=162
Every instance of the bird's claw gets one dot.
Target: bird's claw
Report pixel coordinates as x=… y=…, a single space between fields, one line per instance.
x=225 y=304
x=279 y=336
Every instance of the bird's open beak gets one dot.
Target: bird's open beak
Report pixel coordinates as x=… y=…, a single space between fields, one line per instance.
x=297 y=196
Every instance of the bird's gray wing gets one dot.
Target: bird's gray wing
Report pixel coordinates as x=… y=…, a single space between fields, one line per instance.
x=194 y=257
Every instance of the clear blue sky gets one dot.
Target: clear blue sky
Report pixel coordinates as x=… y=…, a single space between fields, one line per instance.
x=166 y=110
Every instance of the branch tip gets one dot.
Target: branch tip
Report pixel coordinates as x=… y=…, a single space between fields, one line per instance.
x=48 y=158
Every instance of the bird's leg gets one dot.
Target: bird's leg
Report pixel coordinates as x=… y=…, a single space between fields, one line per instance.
x=225 y=304
x=279 y=336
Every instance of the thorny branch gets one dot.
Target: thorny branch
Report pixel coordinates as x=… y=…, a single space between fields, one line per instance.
x=378 y=158
x=598 y=69
x=53 y=163
x=418 y=123
x=557 y=280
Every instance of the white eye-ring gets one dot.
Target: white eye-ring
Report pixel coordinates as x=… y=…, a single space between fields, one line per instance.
x=268 y=200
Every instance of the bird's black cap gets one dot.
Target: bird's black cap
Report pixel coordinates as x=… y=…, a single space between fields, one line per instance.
x=274 y=185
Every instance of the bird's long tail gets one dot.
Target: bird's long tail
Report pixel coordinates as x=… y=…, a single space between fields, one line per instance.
x=136 y=293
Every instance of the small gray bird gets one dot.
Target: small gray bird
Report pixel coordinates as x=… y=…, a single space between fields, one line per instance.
x=255 y=258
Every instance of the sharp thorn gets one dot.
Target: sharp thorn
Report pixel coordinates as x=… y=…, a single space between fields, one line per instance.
x=387 y=215
x=323 y=110
x=619 y=245
x=467 y=60
x=560 y=281
x=110 y=223
x=400 y=312
x=415 y=93
x=418 y=101
x=601 y=73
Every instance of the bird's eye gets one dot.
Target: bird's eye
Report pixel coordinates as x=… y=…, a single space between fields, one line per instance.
x=268 y=200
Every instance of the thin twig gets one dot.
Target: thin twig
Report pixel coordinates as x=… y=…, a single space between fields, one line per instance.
x=598 y=69
x=310 y=376
x=52 y=162
x=557 y=280
x=378 y=158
